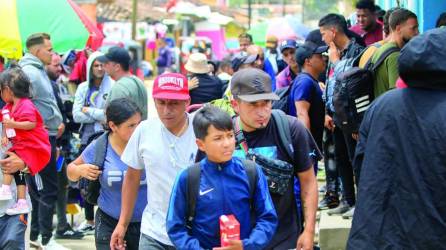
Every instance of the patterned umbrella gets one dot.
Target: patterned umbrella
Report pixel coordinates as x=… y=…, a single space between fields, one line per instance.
x=67 y=25
x=286 y=28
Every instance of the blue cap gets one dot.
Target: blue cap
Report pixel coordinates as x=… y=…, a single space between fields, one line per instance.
x=288 y=44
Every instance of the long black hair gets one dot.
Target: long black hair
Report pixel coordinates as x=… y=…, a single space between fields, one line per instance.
x=17 y=81
x=120 y=110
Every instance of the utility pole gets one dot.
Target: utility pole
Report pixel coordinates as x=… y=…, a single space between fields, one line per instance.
x=249 y=14
x=134 y=14
x=283 y=7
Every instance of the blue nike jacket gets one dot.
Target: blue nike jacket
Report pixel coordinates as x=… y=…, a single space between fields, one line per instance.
x=224 y=190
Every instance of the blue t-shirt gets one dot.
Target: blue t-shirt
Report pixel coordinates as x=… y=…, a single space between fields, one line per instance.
x=111 y=181
x=268 y=68
x=306 y=88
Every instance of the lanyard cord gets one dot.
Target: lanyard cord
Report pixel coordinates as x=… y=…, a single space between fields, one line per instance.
x=239 y=135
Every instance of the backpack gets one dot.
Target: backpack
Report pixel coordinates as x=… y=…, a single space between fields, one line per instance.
x=193 y=187
x=283 y=102
x=353 y=91
x=90 y=189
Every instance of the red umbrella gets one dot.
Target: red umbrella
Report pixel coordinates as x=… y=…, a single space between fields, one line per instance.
x=96 y=36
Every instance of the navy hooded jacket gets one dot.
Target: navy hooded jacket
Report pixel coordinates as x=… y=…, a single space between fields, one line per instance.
x=401 y=155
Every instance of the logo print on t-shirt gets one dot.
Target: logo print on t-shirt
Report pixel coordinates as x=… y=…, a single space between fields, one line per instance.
x=268 y=151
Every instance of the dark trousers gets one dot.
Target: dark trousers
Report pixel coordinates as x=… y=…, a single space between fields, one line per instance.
x=44 y=200
x=62 y=198
x=104 y=227
x=331 y=171
x=344 y=152
x=147 y=242
x=12 y=232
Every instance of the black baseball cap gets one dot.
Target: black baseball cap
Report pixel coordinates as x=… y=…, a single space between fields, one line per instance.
x=251 y=85
x=307 y=50
x=288 y=44
x=118 y=55
x=315 y=37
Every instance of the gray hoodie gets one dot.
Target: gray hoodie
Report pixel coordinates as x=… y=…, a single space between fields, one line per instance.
x=93 y=120
x=42 y=92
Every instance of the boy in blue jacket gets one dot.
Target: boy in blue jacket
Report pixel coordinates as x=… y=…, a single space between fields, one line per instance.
x=224 y=189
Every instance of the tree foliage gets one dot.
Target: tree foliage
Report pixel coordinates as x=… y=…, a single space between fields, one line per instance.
x=315 y=9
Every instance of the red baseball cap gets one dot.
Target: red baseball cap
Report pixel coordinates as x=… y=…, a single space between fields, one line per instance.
x=171 y=86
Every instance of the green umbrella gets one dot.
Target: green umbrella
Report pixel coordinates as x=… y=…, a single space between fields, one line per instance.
x=21 y=18
x=258 y=33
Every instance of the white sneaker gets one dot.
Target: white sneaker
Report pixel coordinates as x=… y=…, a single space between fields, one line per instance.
x=85 y=228
x=5 y=194
x=53 y=245
x=35 y=243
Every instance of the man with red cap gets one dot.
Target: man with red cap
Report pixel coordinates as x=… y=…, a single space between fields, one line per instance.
x=162 y=147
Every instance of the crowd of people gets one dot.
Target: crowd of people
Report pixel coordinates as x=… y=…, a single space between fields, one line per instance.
x=239 y=137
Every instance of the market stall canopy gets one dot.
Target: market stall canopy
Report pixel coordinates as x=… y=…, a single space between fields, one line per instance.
x=68 y=27
x=220 y=19
x=187 y=8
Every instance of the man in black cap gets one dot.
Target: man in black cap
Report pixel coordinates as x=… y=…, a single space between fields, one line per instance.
x=331 y=197
x=402 y=158
x=306 y=95
x=252 y=93
x=286 y=76
x=117 y=63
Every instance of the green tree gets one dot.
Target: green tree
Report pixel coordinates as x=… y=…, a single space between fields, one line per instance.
x=315 y=9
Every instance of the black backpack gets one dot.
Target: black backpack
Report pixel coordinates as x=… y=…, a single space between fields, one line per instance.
x=193 y=187
x=283 y=102
x=90 y=189
x=353 y=91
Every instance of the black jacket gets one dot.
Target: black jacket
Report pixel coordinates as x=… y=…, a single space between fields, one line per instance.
x=209 y=88
x=401 y=155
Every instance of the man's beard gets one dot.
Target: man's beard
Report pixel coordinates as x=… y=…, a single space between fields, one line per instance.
x=406 y=39
x=52 y=76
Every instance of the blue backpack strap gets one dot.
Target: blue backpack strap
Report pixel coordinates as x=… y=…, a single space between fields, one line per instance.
x=283 y=128
x=193 y=187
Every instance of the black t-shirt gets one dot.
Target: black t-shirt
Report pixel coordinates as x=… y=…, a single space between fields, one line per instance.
x=267 y=143
x=209 y=88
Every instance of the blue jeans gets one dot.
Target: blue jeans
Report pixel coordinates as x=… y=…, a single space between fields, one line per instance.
x=12 y=232
x=147 y=242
